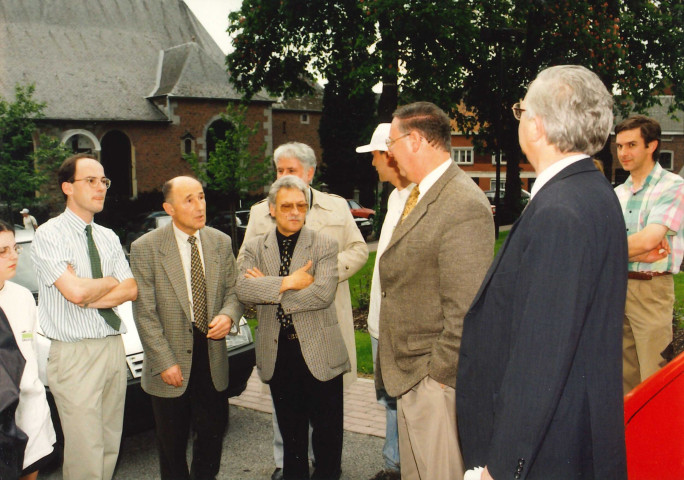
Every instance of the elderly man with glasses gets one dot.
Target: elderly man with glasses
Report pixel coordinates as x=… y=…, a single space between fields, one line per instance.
x=290 y=274
x=83 y=275
x=540 y=373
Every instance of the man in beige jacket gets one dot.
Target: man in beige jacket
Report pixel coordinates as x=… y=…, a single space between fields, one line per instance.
x=328 y=214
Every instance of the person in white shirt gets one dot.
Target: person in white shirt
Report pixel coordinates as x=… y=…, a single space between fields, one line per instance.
x=32 y=415
x=388 y=171
x=30 y=222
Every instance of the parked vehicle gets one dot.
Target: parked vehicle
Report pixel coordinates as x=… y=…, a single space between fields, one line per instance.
x=359 y=211
x=143 y=224
x=524 y=196
x=223 y=221
x=365 y=226
x=137 y=414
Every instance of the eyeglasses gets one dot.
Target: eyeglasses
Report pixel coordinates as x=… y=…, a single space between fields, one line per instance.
x=389 y=141
x=94 y=181
x=289 y=207
x=517 y=110
x=5 y=251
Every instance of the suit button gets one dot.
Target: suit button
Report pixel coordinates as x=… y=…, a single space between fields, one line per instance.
x=521 y=462
x=190 y=330
x=516 y=476
x=346 y=267
x=189 y=351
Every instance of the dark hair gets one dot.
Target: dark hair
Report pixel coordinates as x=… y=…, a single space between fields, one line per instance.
x=67 y=170
x=429 y=120
x=649 y=128
x=6 y=227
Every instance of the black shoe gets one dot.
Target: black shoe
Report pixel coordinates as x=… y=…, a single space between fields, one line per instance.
x=387 y=474
x=277 y=474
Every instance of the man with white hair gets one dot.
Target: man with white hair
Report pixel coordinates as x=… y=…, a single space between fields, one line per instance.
x=540 y=369
x=328 y=214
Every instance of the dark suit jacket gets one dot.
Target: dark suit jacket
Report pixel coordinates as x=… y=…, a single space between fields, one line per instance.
x=162 y=310
x=540 y=371
x=430 y=272
x=312 y=308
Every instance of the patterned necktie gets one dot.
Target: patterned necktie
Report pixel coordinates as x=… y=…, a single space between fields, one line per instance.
x=199 y=287
x=108 y=314
x=285 y=260
x=410 y=202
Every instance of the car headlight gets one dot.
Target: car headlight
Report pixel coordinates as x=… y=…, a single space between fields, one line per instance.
x=237 y=340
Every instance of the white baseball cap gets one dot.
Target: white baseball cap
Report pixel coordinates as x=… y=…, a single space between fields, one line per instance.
x=377 y=142
x=26 y=210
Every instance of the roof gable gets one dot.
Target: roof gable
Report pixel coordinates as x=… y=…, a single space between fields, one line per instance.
x=99 y=59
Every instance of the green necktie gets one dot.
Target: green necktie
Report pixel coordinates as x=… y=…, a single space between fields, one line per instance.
x=108 y=314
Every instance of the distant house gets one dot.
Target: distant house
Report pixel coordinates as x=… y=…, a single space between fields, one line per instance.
x=672 y=140
x=137 y=83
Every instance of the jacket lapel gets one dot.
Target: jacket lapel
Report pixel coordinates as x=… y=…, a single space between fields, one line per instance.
x=172 y=265
x=271 y=254
x=302 y=251
x=422 y=206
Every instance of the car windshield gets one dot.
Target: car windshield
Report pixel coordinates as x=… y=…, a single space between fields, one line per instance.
x=25 y=275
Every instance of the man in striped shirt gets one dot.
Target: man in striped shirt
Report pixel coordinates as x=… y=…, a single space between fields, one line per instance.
x=82 y=275
x=652 y=201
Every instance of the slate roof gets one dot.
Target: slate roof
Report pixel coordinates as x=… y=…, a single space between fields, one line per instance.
x=101 y=59
x=668 y=125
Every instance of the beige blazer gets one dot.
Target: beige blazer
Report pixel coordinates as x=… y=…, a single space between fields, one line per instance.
x=430 y=273
x=330 y=215
x=312 y=308
x=162 y=310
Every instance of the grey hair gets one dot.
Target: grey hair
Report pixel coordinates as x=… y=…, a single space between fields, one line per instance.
x=300 y=151
x=574 y=106
x=288 y=181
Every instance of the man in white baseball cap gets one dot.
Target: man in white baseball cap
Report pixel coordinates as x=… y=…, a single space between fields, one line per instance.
x=29 y=220
x=388 y=171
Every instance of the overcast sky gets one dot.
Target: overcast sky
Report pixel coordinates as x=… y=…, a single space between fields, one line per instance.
x=214 y=17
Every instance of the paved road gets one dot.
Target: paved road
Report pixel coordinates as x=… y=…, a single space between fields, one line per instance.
x=247 y=452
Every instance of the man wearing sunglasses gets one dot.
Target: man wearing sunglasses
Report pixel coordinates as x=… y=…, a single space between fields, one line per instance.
x=328 y=214
x=290 y=274
x=83 y=275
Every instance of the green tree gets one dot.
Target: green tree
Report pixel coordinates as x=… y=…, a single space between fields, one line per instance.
x=28 y=158
x=483 y=53
x=231 y=170
x=635 y=46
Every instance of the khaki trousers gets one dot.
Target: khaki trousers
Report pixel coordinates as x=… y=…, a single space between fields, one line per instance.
x=428 y=434
x=646 y=328
x=88 y=380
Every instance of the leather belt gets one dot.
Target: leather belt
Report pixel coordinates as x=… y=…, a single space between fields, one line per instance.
x=646 y=275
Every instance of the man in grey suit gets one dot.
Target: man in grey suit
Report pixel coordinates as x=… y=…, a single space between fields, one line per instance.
x=290 y=273
x=328 y=214
x=186 y=306
x=429 y=273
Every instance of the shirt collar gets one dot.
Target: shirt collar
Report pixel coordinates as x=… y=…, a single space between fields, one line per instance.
x=432 y=177
x=182 y=237
x=553 y=170
x=74 y=221
x=656 y=172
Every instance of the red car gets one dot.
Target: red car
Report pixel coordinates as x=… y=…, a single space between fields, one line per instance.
x=359 y=211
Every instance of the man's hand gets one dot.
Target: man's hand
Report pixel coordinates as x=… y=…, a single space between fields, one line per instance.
x=299 y=279
x=254 y=273
x=219 y=327
x=173 y=376
x=658 y=253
